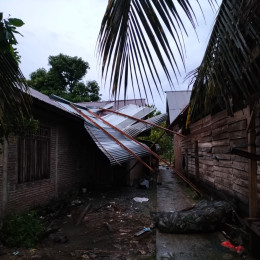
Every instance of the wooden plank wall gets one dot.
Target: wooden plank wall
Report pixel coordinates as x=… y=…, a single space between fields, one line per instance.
x=216 y=168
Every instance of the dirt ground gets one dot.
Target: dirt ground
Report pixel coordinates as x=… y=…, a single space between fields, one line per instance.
x=106 y=231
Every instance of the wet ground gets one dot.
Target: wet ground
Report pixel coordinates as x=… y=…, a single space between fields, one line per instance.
x=172 y=196
x=106 y=231
x=104 y=225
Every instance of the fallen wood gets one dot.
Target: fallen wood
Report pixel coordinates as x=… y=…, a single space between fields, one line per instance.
x=109 y=228
x=83 y=213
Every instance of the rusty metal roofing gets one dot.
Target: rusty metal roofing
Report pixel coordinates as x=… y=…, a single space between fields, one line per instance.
x=113 y=151
x=122 y=122
x=140 y=127
x=176 y=101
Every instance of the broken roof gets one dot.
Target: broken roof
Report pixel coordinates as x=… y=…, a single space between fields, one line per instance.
x=122 y=122
x=115 y=144
x=138 y=128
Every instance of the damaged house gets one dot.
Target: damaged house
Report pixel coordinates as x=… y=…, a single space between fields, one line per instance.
x=220 y=151
x=72 y=148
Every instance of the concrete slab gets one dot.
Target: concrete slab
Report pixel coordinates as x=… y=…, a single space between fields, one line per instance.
x=171 y=197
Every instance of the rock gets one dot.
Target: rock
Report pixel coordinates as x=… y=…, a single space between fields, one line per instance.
x=205 y=216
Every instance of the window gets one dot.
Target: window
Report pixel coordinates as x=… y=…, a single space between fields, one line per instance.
x=34 y=156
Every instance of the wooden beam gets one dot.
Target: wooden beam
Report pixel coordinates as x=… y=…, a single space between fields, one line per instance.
x=111 y=136
x=254 y=157
x=252 y=169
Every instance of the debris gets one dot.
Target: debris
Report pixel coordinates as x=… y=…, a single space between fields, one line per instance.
x=138 y=199
x=83 y=213
x=205 y=216
x=78 y=253
x=76 y=203
x=16 y=252
x=238 y=249
x=139 y=233
x=144 y=184
x=228 y=244
x=142 y=252
x=84 y=190
x=109 y=228
x=59 y=238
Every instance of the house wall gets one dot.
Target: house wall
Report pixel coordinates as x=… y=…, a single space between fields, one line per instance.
x=177 y=142
x=68 y=166
x=209 y=162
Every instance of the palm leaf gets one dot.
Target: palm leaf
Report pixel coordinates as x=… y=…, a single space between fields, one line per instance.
x=129 y=29
x=14 y=102
x=229 y=72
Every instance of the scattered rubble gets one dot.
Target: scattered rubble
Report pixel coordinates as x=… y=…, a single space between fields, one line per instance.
x=96 y=225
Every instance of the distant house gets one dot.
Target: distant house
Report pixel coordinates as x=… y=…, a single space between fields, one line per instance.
x=67 y=152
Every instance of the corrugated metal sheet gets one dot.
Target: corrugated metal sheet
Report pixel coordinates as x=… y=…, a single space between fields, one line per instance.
x=176 y=102
x=122 y=122
x=140 y=127
x=113 y=151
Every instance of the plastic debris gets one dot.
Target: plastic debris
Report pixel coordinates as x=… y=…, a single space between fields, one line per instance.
x=145 y=184
x=16 y=252
x=139 y=233
x=238 y=249
x=227 y=244
x=138 y=199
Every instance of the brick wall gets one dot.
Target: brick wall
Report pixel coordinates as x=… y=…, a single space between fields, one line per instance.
x=212 y=165
x=69 y=146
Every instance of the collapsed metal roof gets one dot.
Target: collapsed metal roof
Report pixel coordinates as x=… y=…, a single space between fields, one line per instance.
x=138 y=128
x=122 y=122
x=115 y=152
x=115 y=144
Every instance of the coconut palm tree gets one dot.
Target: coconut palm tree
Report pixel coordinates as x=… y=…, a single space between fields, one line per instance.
x=229 y=71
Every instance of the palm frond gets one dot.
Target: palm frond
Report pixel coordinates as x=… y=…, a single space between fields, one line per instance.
x=14 y=98
x=14 y=103
x=130 y=29
x=229 y=72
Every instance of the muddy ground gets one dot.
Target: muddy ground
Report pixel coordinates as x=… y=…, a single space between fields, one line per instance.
x=106 y=231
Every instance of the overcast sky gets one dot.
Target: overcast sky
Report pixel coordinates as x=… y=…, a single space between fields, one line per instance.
x=71 y=27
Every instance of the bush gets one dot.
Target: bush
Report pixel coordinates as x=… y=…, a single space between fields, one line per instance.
x=22 y=230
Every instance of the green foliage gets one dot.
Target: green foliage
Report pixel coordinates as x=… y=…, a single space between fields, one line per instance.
x=64 y=79
x=8 y=29
x=22 y=230
x=15 y=114
x=165 y=142
x=18 y=126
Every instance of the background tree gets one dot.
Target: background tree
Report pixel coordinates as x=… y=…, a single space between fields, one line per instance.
x=64 y=79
